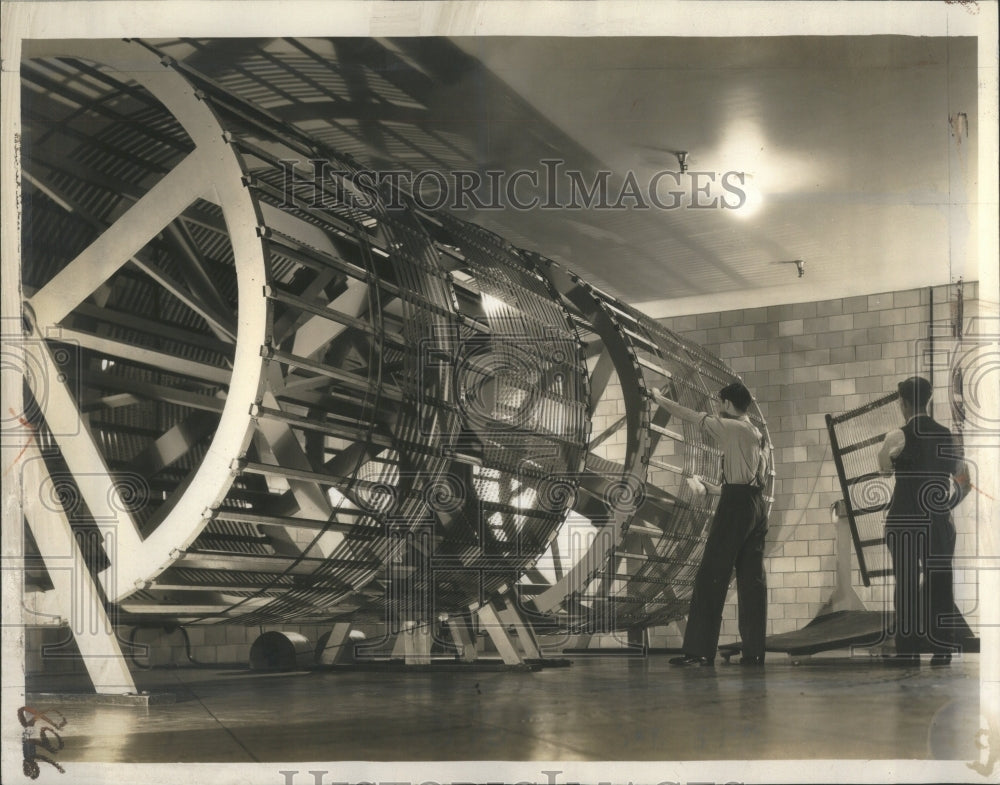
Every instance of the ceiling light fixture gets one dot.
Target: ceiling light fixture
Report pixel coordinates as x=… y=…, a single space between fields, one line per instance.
x=680 y=155
x=800 y=265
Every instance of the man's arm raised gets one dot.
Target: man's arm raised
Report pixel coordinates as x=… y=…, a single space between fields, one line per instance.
x=676 y=409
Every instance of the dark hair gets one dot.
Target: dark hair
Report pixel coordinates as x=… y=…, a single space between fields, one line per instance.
x=916 y=391
x=738 y=394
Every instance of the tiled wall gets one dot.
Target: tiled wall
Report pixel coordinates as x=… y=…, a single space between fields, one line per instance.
x=803 y=361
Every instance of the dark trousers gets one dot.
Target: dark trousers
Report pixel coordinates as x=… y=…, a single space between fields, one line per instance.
x=924 y=595
x=735 y=540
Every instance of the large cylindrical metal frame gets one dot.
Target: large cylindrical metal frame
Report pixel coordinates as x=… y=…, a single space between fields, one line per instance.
x=395 y=412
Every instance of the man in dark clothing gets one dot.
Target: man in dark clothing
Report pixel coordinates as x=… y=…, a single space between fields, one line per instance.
x=736 y=536
x=919 y=532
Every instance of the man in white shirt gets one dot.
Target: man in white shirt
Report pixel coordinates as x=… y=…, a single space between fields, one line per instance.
x=736 y=537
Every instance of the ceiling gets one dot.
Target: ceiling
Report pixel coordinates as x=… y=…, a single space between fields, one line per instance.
x=846 y=138
x=843 y=146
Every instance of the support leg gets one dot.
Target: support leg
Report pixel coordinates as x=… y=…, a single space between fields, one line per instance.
x=416 y=643
x=338 y=648
x=512 y=620
x=501 y=638
x=75 y=595
x=461 y=636
x=844 y=598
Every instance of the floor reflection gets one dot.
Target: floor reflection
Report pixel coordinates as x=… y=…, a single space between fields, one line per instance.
x=599 y=708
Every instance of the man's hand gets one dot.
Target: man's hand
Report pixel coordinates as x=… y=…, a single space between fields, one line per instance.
x=696 y=485
x=892 y=446
x=701 y=485
x=963 y=483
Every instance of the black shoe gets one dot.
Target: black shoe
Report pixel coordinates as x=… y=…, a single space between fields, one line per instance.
x=901 y=659
x=690 y=659
x=752 y=660
x=941 y=659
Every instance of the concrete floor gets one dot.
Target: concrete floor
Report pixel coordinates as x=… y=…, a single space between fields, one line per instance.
x=600 y=708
